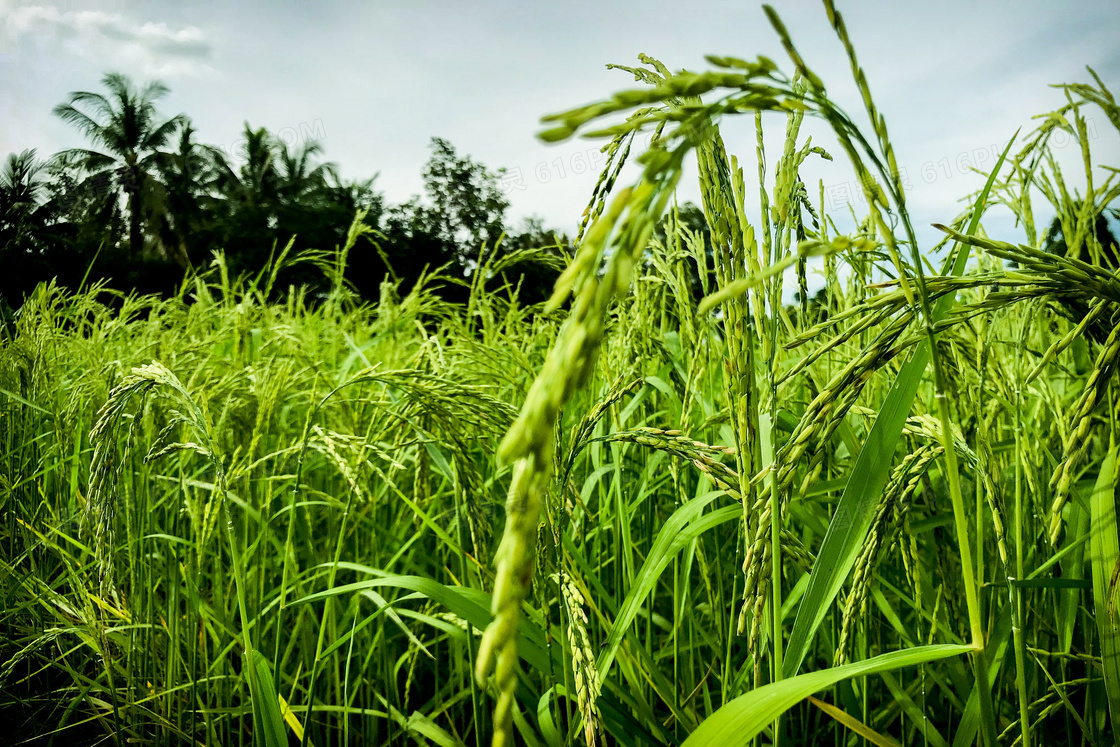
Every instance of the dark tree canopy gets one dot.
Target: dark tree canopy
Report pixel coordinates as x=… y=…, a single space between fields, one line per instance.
x=127 y=136
x=1098 y=246
x=143 y=203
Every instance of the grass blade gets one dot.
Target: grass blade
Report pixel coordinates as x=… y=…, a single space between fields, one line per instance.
x=740 y=720
x=473 y=606
x=267 y=706
x=1104 y=548
x=854 y=724
x=676 y=535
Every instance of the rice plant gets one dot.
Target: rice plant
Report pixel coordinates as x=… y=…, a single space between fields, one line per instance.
x=629 y=516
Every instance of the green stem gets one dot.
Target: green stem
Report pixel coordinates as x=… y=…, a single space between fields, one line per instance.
x=1016 y=592
x=239 y=583
x=327 y=608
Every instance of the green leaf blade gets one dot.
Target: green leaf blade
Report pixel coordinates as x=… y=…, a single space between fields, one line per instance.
x=740 y=720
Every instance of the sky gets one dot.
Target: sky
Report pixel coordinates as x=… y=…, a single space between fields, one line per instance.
x=374 y=81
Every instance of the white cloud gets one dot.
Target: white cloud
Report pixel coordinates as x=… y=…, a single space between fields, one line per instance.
x=110 y=39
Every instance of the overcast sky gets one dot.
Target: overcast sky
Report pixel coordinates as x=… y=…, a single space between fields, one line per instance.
x=375 y=81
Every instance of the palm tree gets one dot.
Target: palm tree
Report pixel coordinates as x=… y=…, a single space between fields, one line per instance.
x=255 y=184
x=274 y=193
x=125 y=130
x=251 y=197
x=21 y=191
x=186 y=180
x=309 y=196
x=300 y=180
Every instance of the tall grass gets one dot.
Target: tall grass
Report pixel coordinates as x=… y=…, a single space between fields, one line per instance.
x=629 y=516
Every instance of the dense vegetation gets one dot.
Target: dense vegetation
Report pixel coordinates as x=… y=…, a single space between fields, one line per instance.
x=146 y=205
x=663 y=508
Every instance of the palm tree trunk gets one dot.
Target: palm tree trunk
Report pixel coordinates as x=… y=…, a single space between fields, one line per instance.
x=135 y=238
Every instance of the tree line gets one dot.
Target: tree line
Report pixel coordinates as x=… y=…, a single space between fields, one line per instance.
x=144 y=203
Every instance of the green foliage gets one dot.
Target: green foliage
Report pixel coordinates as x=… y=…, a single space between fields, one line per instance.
x=127 y=138
x=1105 y=553
x=233 y=514
x=148 y=206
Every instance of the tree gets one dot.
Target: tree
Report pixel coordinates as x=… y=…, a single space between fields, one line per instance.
x=51 y=223
x=22 y=221
x=462 y=209
x=309 y=196
x=405 y=248
x=467 y=207
x=1106 y=248
x=280 y=194
x=184 y=220
x=255 y=183
x=21 y=193
x=536 y=277
x=250 y=194
x=1100 y=247
x=127 y=133
x=300 y=179
x=85 y=213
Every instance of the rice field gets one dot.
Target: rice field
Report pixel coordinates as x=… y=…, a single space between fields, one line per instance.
x=668 y=507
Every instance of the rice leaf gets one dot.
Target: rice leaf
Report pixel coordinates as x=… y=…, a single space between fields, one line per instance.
x=997 y=644
x=266 y=704
x=740 y=720
x=854 y=724
x=1104 y=549
x=1073 y=571
x=856 y=510
x=677 y=533
x=473 y=605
